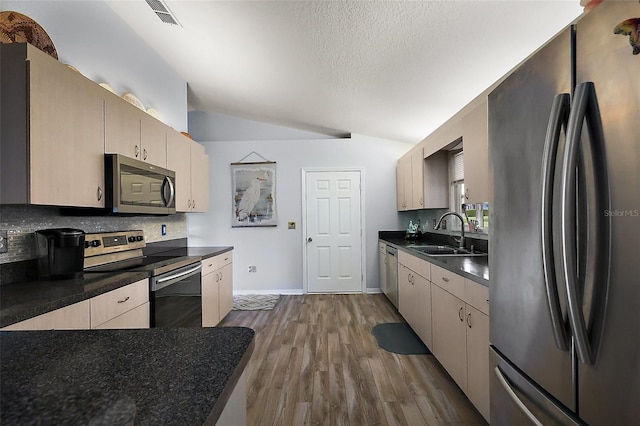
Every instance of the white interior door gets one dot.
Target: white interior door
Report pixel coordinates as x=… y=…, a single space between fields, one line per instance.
x=333 y=231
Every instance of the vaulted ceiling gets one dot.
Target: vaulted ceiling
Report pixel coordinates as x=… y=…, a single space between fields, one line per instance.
x=390 y=69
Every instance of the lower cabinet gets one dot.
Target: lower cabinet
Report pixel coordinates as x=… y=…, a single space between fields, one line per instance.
x=125 y=307
x=72 y=317
x=415 y=302
x=451 y=315
x=461 y=342
x=122 y=308
x=217 y=288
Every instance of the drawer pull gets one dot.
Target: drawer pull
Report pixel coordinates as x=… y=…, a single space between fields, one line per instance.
x=123 y=300
x=445 y=279
x=210 y=265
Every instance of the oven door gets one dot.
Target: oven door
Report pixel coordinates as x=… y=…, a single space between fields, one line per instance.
x=176 y=298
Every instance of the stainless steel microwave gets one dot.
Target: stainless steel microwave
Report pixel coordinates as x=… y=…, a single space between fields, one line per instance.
x=136 y=187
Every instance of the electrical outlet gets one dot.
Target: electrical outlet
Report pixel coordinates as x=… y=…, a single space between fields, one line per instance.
x=251 y=269
x=164 y=229
x=4 y=242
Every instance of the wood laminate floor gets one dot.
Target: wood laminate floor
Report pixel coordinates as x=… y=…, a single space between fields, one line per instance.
x=317 y=362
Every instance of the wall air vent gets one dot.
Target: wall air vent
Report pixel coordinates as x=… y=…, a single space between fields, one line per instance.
x=163 y=12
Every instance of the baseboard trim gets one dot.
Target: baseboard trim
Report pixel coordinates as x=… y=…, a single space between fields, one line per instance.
x=374 y=290
x=288 y=291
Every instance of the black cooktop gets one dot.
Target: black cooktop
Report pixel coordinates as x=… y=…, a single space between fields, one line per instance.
x=154 y=264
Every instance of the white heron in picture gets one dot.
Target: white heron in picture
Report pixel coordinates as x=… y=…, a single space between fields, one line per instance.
x=249 y=199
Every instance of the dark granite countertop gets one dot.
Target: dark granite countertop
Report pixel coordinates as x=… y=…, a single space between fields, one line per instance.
x=21 y=301
x=154 y=376
x=474 y=268
x=201 y=252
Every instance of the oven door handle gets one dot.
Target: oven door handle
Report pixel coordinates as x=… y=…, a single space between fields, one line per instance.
x=164 y=281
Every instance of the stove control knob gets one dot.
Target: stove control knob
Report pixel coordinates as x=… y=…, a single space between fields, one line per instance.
x=132 y=239
x=86 y=244
x=139 y=238
x=95 y=243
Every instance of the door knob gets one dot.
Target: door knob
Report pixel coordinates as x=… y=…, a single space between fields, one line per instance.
x=309 y=239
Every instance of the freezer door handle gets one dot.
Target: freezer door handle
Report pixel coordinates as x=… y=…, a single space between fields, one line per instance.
x=558 y=119
x=512 y=394
x=596 y=245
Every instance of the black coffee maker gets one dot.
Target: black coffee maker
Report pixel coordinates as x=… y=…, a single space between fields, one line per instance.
x=60 y=253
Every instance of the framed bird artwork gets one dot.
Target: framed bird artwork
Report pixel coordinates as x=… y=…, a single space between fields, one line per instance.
x=254 y=194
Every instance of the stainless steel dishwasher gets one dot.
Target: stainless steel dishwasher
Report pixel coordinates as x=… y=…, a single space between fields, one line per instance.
x=391 y=290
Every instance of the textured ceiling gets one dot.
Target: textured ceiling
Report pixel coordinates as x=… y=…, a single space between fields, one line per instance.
x=395 y=70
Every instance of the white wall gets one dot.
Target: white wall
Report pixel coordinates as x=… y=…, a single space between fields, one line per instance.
x=277 y=252
x=90 y=36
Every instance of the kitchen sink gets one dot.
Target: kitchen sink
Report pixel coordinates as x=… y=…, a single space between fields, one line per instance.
x=436 y=250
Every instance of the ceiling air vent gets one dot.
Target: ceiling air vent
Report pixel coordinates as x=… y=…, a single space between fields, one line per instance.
x=163 y=12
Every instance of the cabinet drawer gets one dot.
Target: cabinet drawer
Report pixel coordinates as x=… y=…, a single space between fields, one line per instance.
x=216 y=262
x=417 y=265
x=114 y=303
x=476 y=295
x=449 y=281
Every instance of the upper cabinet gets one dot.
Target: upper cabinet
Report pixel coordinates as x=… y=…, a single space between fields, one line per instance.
x=475 y=139
x=57 y=126
x=133 y=133
x=421 y=183
x=191 y=164
x=52 y=132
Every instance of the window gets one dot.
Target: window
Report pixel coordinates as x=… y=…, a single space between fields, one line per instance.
x=456 y=179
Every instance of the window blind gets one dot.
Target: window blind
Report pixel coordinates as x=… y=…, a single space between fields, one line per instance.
x=458 y=167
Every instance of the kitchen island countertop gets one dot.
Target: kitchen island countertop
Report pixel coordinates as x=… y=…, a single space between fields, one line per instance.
x=152 y=376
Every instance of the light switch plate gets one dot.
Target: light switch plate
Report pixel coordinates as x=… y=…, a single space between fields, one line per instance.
x=291 y=225
x=4 y=242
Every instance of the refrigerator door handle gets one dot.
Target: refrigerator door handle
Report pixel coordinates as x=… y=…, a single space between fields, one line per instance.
x=512 y=394
x=585 y=109
x=559 y=118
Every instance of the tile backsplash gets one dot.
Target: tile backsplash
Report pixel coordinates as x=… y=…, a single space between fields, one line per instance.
x=21 y=222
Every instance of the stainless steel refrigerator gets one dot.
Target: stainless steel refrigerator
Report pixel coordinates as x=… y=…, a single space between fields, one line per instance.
x=564 y=140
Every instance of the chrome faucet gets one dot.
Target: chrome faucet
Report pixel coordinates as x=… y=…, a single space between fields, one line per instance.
x=461 y=225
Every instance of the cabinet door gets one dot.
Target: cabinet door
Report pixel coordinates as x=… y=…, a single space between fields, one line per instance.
x=417 y=179
x=153 y=139
x=199 y=178
x=72 y=317
x=422 y=309
x=122 y=127
x=210 y=300
x=476 y=155
x=400 y=205
x=449 y=334
x=66 y=135
x=405 y=293
x=138 y=317
x=179 y=160
x=408 y=182
x=478 y=359
x=225 y=290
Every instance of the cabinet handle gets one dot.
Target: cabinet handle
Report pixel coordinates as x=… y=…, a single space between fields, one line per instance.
x=99 y=193
x=189 y=203
x=445 y=279
x=137 y=151
x=193 y=204
x=466 y=193
x=469 y=319
x=460 y=314
x=123 y=300
x=210 y=265
x=144 y=157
